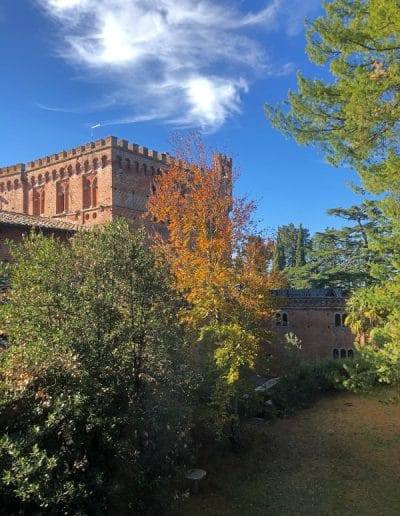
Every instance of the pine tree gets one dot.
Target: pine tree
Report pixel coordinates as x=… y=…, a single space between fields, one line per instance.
x=354 y=115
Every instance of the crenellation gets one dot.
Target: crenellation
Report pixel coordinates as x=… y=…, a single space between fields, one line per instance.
x=111 y=141
x=123 y=144
x=80 y=150
x=109 y=173
x=133 y=147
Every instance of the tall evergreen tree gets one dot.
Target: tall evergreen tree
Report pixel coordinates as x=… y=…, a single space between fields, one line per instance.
x=354 y=116
x=300 y=259
x=278 y=257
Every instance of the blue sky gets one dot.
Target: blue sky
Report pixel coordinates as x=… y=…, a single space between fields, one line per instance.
x=143 y=68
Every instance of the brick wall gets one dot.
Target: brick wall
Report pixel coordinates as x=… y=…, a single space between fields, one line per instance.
x=316 y=329
x=90 y=184
x=16 y=234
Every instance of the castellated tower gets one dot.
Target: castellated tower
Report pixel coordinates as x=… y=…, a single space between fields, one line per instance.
x=91 y=184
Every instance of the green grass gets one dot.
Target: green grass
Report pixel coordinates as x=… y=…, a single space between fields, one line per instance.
x=340 y=457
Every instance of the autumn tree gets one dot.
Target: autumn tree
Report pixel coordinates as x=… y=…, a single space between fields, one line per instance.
x=354 y=115
x=219 y=263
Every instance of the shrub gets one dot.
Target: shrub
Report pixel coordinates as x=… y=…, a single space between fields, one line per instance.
x=302 y=385
x=95 y=385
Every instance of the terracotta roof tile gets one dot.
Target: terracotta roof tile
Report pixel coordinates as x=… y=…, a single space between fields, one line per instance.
x=9 y=218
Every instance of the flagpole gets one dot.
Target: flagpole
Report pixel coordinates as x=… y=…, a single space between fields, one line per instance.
x=91 y=130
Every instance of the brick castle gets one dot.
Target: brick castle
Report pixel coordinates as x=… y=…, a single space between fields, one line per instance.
x=90 y=184
x=111 y=178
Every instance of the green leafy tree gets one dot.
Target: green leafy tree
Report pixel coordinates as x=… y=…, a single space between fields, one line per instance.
x=354 y=116
x=94 y=385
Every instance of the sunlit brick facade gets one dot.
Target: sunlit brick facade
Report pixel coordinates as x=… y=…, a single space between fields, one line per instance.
x=89 y=184
x=317 y=318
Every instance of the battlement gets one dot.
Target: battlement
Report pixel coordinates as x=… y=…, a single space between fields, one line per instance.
x=103 y=144
x=98 y=145
x=12 y=169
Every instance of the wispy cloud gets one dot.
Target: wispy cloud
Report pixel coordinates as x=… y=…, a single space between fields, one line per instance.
x=186 y=61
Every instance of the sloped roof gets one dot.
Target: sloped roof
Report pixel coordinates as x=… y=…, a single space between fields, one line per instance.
x=302 y=293
x=22 y=220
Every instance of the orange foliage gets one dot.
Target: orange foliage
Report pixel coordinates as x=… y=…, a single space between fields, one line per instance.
x=219 y=266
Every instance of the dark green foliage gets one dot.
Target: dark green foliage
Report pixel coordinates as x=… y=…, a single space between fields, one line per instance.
x=353 y=117
x=95 y=383
x=302 y=385
x=348 y=258
x=291 y=247
x=300 y=256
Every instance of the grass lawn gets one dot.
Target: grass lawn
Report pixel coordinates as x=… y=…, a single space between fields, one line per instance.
x=340 y=457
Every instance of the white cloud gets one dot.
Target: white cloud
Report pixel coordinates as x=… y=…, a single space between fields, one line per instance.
x=180 y=60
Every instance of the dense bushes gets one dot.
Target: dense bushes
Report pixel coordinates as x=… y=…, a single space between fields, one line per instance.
x=300 y=387
x=304 y=383
x=95 y=395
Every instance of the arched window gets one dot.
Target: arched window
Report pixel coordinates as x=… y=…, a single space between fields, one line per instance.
x=343 y=353
x=89 y=185
x=340 y=320
x=94 y=192
x=95 y=164
x=62 y=197
x=350 y=353
x=103 y=161
x=69 y=170
x=78 y=168
x=335 y=353
x=38 y=201
x=128 y=164
x=86 y=166
x=86 y=192
x=144 y=168
x=281 y=319
x=118 y=160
